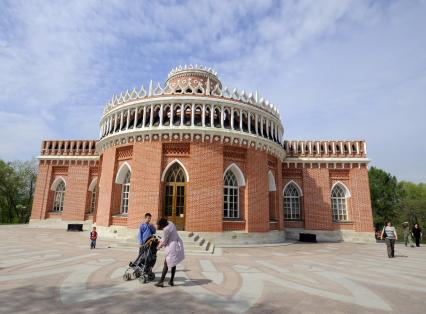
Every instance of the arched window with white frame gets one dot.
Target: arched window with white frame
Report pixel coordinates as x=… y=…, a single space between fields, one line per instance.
x=339 y=202
x=291 y=202
x=125 y=191
x=58 y=200
x=92 y=201
x=92 y=192
x=231 y=197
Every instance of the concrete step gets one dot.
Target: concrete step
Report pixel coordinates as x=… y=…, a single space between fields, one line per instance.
x=192 y=242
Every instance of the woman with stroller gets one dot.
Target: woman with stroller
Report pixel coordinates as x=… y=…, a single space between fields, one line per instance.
x=173 y=246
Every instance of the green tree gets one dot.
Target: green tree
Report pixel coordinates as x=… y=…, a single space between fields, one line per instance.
x=386 y=196
x=17 y=182
x=10 y=185
x=413 y=203
x=27 y=172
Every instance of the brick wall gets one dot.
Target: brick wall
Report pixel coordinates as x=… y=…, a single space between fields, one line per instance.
x=76 y=192
x=317 y=204
x=257 y=194
x=361 y=202
x=107 y=177
x=205 y=192
x=41 y=192
x=205 y=164
x=145 y=182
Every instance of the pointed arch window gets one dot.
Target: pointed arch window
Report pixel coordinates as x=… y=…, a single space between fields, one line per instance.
x=175 y=174
x=175 y=178
x=58 y=200
x=125 y=191
x=339 y=202
x=231 y=204
x=92 y=201
x=292 y=202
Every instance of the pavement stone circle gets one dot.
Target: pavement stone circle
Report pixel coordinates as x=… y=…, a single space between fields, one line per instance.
x=54 y=271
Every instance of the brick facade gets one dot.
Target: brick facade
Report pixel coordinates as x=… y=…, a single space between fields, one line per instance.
x=261 y=210
x=205 y=130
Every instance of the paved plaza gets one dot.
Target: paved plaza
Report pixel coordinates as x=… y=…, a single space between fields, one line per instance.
x=52 y=271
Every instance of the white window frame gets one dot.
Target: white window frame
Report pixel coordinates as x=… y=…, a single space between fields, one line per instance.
x=93 y=201
x=290 y=202
x=231 y=209
x=339 y=202
x=58 y=199
x=125 y=193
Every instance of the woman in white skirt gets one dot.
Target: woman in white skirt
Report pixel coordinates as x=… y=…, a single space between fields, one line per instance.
x=173 y=247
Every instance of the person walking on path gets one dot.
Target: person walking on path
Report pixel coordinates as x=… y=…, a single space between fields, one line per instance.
x=173 y=246
x=146 y=230
x=407 y=234
x=93 y=237
x=390 y=237
x=417 y=234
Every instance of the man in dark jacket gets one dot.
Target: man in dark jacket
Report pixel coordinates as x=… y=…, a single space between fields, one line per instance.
x=417 y=234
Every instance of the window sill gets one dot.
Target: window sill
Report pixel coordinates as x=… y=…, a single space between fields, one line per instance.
x=234 y=220
x=55 y=212
x=293 y=220
x=120 y=216
x=343 y=222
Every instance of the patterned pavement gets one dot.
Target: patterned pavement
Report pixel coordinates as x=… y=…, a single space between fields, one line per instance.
x=52 y=271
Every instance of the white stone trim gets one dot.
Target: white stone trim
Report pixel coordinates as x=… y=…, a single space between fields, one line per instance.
x=93 y=184
x=238 y=173
x=252 y=140
x=297 y=186
x=326 y=159
x=52 y=157
x=163 y=175
x=271 y=182
x=122 y=172
x=56 y=182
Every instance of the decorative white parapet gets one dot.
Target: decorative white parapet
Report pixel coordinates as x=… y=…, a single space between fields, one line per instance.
x=190 y=88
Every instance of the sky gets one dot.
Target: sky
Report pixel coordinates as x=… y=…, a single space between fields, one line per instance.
x=335 y=69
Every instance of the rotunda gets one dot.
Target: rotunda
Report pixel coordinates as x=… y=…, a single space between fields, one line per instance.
x=209 y=158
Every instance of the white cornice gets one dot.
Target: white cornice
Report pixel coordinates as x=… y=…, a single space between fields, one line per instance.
x=53 y=157
x=327 y=159
x=251 y=140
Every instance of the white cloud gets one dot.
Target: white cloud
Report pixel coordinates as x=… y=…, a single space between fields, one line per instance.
x=61 y=61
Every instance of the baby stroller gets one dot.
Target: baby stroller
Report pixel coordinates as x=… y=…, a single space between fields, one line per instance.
x=142 y=267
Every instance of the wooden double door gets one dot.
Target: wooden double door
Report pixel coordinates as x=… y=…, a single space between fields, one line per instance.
x=174 y=196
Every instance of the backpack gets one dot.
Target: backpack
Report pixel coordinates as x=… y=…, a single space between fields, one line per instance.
x=384 y=233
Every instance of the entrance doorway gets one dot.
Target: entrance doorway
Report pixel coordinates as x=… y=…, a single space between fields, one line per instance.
x=174 y=196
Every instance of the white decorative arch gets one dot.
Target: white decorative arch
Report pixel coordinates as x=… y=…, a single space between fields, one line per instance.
x=271 y=181
x=347 y=192
x=93 y=184
x=296 y=185
x=238 y=173
x=163 y=175
x=57 y=181
x=122 y=172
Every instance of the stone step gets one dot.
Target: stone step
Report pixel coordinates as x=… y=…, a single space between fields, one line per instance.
x=192 y=242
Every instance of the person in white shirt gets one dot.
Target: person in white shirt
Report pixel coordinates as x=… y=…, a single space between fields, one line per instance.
x=390 y=237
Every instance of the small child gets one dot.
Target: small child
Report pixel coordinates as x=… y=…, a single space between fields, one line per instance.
x=93 y=237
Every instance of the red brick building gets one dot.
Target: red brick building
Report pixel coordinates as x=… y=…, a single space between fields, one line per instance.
x=212 y=160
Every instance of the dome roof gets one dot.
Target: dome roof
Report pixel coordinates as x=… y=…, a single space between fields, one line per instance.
x=193 y=74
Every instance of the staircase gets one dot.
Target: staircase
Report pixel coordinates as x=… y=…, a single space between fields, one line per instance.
x=192 y=243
